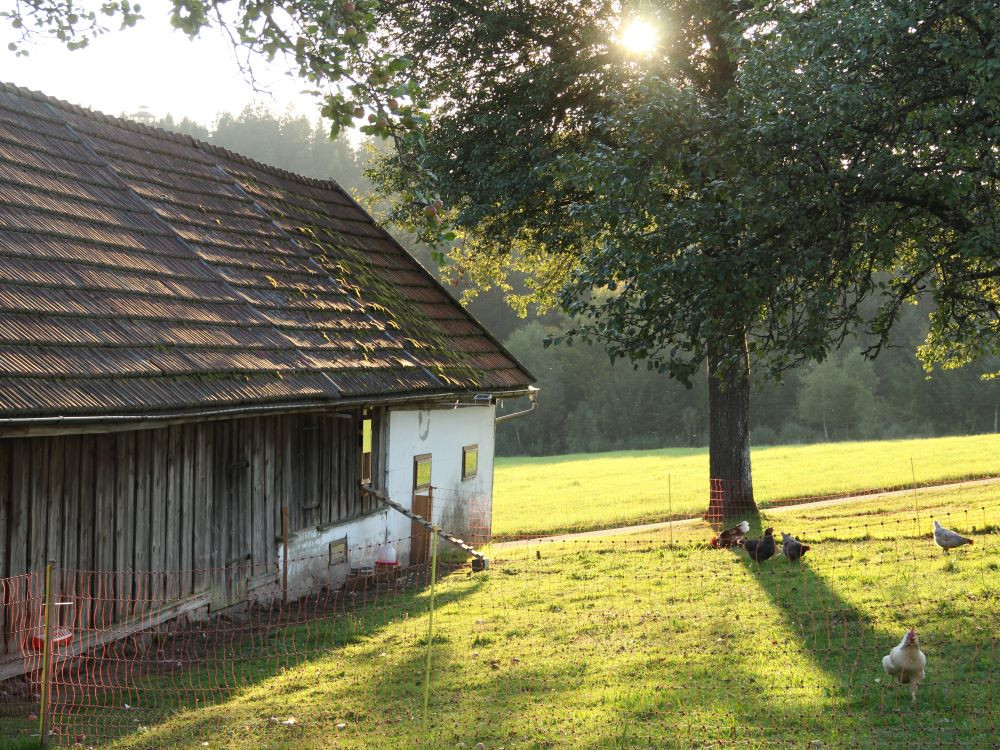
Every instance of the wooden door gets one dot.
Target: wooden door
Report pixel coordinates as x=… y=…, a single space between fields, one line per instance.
x=420 y=535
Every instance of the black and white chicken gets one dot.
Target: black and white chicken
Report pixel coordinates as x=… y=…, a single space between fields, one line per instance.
x=731 y=537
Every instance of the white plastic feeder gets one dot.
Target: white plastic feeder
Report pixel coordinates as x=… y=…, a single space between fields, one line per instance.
x=386 y=557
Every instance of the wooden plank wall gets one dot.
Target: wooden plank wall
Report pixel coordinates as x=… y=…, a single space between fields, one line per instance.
x=324 y=460
x=194 y=497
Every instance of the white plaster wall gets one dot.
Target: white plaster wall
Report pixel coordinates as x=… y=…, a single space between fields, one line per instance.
x=462 y=507
x=308 y=549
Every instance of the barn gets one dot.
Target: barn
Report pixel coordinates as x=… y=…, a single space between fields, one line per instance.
x=193 y=345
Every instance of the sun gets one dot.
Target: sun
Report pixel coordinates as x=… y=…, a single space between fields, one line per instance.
x=638 y=37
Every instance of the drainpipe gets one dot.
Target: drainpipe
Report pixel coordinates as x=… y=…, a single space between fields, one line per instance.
x=533 y=395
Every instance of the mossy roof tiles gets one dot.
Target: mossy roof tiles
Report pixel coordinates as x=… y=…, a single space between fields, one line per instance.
x=146 y=273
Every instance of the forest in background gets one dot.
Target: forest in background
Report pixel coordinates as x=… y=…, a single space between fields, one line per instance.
x=587 y=404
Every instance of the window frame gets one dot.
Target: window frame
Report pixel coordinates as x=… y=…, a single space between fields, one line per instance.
x=417 y=460
x=366 y=463
x=466 y=449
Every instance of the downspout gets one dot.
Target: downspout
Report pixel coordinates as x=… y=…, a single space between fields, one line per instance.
x=533 y=395
x=514 y=415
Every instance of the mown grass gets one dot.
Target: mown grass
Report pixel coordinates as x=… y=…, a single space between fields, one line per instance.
x=535 y=496
x=20 y=743
x=631 y=642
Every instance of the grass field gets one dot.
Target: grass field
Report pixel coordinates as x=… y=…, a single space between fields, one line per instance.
x=631 y=642
x=534 y=496
x=20 y=743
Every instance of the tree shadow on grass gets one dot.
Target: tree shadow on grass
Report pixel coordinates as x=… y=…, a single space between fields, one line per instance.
x=847 y=643
x=600 y=678
x=817 y=675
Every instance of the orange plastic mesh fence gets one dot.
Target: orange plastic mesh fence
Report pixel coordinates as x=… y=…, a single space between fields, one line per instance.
x=614 y=641
x=130 y=649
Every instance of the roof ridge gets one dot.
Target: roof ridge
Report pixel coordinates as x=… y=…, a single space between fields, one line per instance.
x=94 y=114
x=170 y=135
x=218 y=150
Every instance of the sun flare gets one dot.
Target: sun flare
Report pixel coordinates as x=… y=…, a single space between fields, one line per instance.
x=638 y=37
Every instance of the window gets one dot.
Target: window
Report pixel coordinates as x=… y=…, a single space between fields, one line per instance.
x=470 y=461
x=366 y=450
x=422 y=472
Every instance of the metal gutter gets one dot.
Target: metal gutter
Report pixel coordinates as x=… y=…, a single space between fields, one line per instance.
x=90 y=423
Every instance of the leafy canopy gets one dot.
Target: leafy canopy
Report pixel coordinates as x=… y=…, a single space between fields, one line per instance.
x=773 y=168
x=769 y=169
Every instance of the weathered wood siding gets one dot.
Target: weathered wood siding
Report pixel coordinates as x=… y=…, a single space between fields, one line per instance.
x=192 y=497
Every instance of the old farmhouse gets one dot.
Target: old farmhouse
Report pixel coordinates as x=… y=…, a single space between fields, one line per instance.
x=191 y=341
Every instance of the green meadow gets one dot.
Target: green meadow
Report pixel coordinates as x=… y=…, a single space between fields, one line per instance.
x=554 y=494
x=636 y=642
x=636 y=639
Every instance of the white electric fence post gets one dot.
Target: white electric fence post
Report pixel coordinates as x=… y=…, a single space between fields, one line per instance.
x=430 y=631
x=670 y=510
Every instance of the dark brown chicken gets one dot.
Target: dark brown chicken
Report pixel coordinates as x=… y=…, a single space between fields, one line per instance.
x=760 y=549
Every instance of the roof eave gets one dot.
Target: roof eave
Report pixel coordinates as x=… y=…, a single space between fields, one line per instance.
x=32 y=426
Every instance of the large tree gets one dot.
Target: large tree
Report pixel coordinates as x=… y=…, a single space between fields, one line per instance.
x=732 y=200
x=738 y=197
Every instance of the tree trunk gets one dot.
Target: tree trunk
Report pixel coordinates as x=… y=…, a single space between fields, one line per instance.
x=729 y=429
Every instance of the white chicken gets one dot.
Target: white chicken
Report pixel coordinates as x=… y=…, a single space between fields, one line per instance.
x=907 y=662
x=947 y=539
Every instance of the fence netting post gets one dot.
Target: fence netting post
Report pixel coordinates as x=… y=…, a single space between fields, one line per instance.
x=45 y=709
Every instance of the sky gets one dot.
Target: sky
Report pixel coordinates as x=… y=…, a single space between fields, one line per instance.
x=153 y=66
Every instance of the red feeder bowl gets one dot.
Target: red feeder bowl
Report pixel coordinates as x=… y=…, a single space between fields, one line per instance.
x=60 y=637
x=386 y=571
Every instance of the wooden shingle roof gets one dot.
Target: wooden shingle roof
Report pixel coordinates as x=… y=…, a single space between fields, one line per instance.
x=144 y=272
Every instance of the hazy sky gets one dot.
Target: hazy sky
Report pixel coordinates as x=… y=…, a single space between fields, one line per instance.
x=151 y=65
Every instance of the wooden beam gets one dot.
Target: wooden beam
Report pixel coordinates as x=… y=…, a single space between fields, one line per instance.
x=188 y=461
x=271 y=432
x=105 y=469
x=20 y=507
x=258 y=484
x=202 y=506
x=69 y=557
x=479 y=557
x=143 y=486
x=5 y=500
x=158 y=512
x=96 y=639
x=172 y=511
x=86 y=559
x=38 y=509
x=124 y=533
